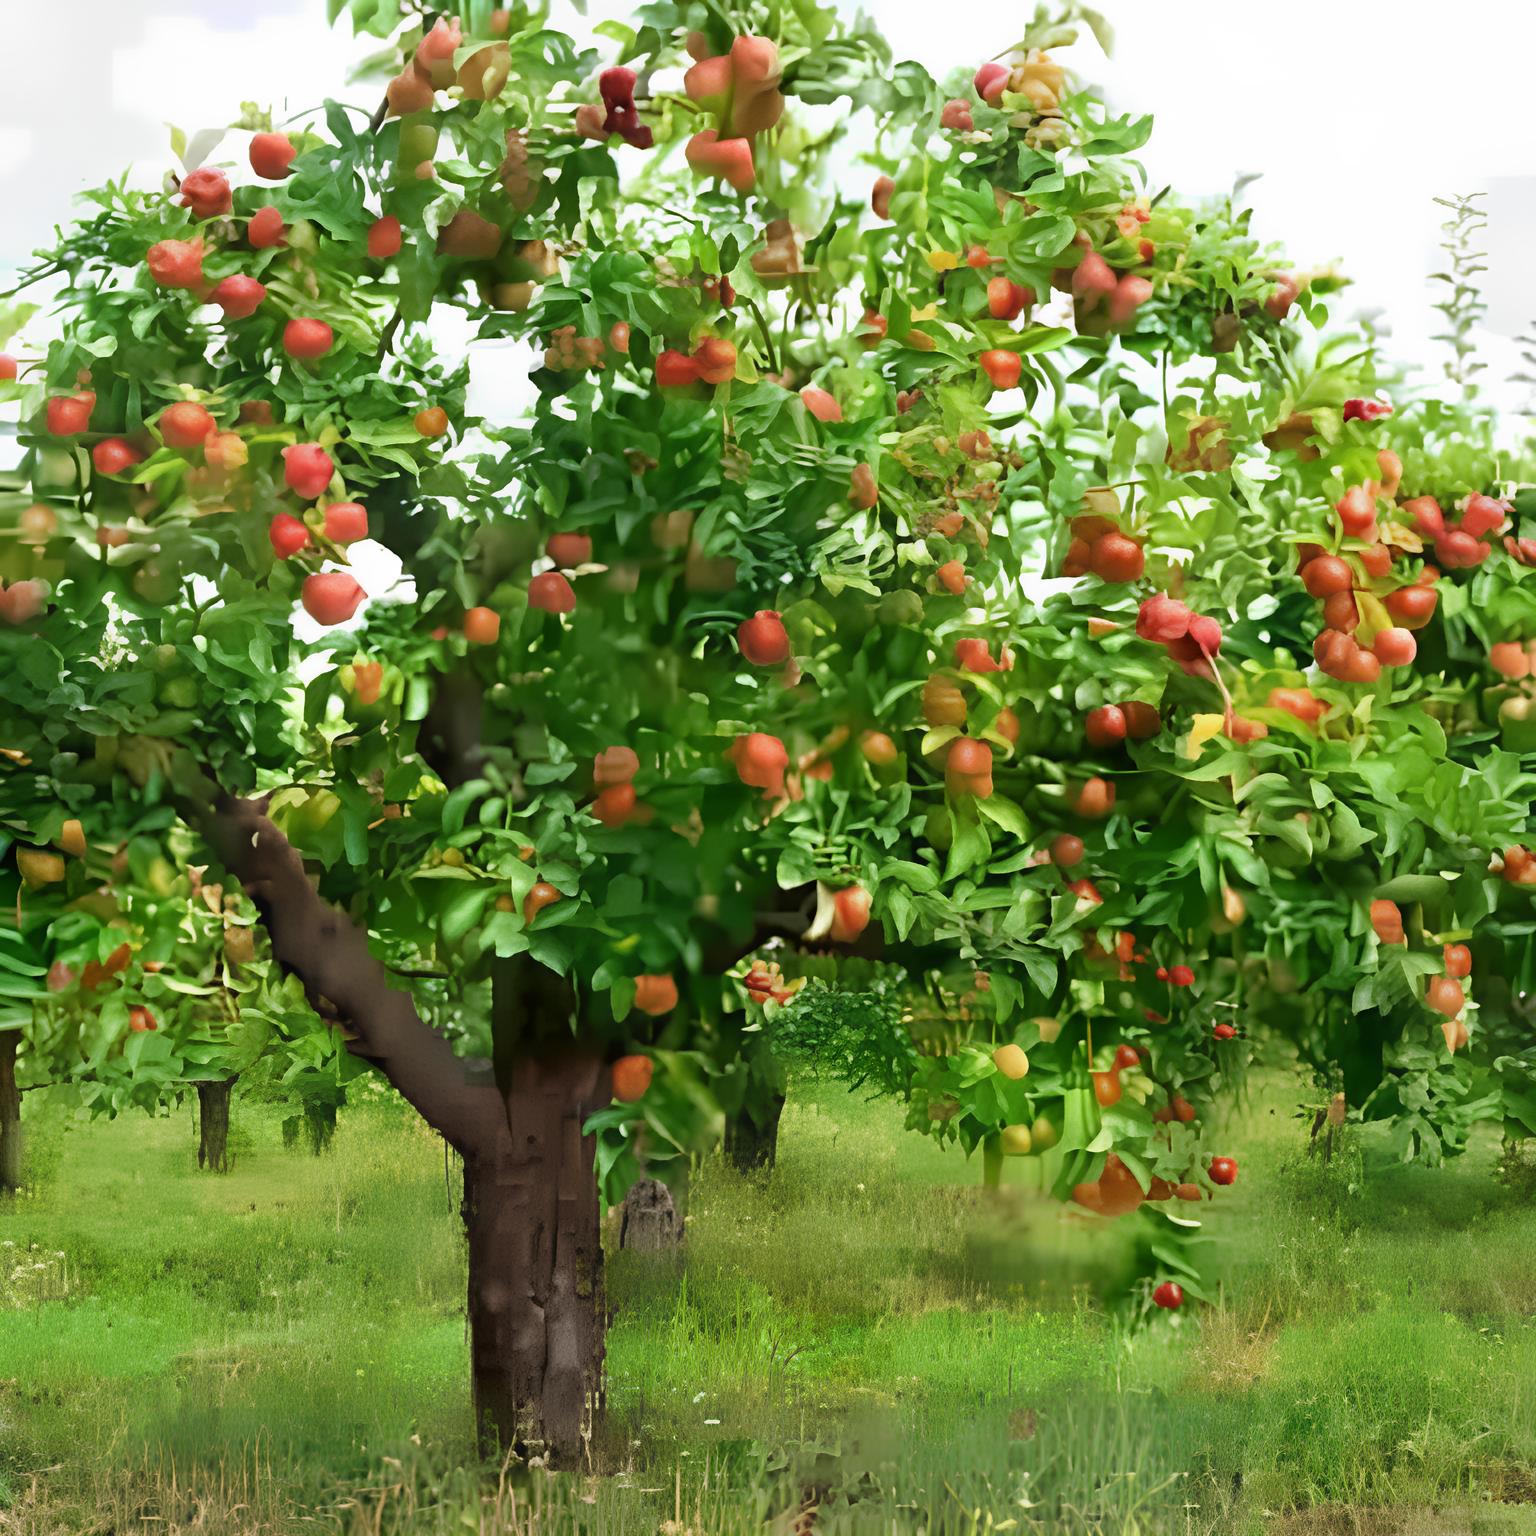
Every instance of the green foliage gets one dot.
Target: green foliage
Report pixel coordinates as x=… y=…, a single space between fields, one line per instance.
x=1203 y=408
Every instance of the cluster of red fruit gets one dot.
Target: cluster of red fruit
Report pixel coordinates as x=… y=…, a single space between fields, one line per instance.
x=713 y=362
x=741 y=90
x=1099 y=546
x=1103 y=299
x=1112 y=724
x=618 y=113
x=1443 y=993
x=1192 y=639
x=1116 y=1191
x=1461 y=544
x=765 y=984
x=613 y=772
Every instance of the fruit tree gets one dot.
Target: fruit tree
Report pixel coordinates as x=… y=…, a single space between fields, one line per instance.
x=948 y=553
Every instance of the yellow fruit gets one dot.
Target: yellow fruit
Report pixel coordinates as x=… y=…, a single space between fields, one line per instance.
x=1011 y=1061
x=1049 y=1029
x=1044 y=1134
x=1017 y=1141
x=72 y=838
x=39 y=867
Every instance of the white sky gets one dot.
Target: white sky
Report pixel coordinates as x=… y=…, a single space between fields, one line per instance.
x=1357 y=112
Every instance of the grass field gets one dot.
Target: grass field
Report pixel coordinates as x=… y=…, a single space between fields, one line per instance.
x=282 y=1349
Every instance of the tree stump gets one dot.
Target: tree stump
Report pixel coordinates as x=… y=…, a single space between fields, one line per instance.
x=650 y=1222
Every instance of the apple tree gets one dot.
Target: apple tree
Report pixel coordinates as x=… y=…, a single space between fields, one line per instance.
x=918 y=560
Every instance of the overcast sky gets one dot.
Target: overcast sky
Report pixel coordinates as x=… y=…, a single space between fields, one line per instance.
x=1356 y=111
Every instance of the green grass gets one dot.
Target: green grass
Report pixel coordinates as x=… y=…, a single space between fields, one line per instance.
x=283 y=1347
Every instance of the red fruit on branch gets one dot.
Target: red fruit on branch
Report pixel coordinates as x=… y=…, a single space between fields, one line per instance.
x=991 y=80
x=1366 y=410
x=1444 y=995
x=384 y=238
x=141 y=1021
x=1357 y=512
x=729 y=160
x=1127 y=1056
x=614 y=765
x=1131 y=292
x=951 y=577
x=1482 y=514
x=820 y=404
x=1223 y=1170
x=1006 y=299
x=1300 y=702
x=569 y=549
x=1395 y=647
x=265 y=229
x=615 y=805
x=1066 y=850
x=1326 y=575
x=972 y=654
x=1105 y=726
x=1387 y=921
x=1426 y=514
x=716 y=360
x=1107 y=1088
x=1092 y=280
x=675 y=369
x=1412 y=607
x=880 y=196
x=307 y=470
x=70 y=415
x=1095 y=799
x=1116 y=557
x=763 y=639
x=176 y=263
x=1341 y=612
x=114 y=455
x=552 y=593
x=346 y=522
x=1142 y=721
x=206 y=192
x=1224 y=1032
x=540 y=895
x=307 y=339
x=760 y=762
x=1169 y=1295
x=482 y=626
x=1457 y=550
x=1002 y=368
x=655 y=995
x=956 y=116
x=7 y=368
x=1510 y=659
x=1458 y=961
x=632 y=1077
x=1162 y=619
x=331 y=597
x=238 y=296
x=850 y=914
x=288 y=535
x=1181 y=976
x=272 y=155
x=186 y=425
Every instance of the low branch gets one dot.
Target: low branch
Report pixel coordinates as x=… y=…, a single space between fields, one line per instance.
x=329 y=954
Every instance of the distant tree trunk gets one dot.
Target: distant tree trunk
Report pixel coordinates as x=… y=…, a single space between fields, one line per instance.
x=213 y=1125
x=992 y=1163
x=650 y=1222
x=752 y=1139
x=10 y=1114
x=536 y=1300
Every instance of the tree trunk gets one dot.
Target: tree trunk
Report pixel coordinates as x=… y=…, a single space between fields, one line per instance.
x=992 y=1162
x=753 y=1141
x=213 y=1125
x=536 y=1305
x=10 y=1113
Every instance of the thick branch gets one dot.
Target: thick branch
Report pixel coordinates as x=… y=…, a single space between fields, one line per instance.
x=343 y=981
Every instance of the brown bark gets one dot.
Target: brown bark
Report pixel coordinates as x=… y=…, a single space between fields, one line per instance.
x=536 y=1307
x=10 y=1113
x=343 y=981
x=213 y=1124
